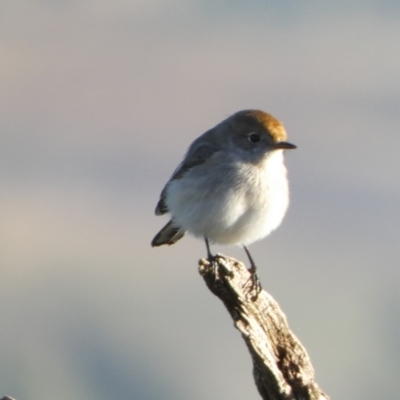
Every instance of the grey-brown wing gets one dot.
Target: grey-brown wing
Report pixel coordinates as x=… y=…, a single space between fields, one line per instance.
x=196 y=155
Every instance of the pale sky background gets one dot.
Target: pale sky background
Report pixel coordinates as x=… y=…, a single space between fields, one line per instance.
x=99 y=101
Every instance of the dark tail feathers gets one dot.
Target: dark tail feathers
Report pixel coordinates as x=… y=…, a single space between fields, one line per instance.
x=170 y=234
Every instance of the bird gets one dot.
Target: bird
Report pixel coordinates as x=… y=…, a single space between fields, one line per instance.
x=231 y=187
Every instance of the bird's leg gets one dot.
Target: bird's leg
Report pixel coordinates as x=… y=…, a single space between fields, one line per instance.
x=255 y=283
x=209 y=255
x=253 y=268
x=211 y=258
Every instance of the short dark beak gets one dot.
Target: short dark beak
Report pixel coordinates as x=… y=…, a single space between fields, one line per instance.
x=285 y=145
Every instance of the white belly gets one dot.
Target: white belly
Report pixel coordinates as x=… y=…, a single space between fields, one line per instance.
x=236 y=205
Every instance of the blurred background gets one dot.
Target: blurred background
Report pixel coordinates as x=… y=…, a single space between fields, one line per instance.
x=99 y=101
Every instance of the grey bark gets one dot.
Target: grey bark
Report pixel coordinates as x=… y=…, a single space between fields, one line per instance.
x=282 y=369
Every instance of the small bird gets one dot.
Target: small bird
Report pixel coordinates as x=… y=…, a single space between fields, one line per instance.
x=231 y=187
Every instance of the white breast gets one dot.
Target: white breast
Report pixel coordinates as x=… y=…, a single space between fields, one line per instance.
x=231 y=203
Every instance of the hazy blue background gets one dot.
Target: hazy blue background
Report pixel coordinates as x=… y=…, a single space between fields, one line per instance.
x=99 y=100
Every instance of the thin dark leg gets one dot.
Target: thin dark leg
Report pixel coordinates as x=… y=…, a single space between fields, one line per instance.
x=253 y=268
x=209 y=255
x=255 y=283
x=211 y=259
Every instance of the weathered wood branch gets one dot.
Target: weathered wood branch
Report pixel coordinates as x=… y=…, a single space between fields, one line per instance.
x=281 y=367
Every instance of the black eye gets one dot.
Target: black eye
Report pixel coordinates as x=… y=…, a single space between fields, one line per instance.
x=254 y=138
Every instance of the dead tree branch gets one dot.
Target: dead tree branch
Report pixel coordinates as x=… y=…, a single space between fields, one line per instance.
x=281 y=367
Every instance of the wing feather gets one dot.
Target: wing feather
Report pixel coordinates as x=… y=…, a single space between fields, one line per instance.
x=196 y=155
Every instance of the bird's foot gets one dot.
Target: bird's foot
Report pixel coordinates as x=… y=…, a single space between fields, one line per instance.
x=212 y=260
x=254 y=280
x=255 y=283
